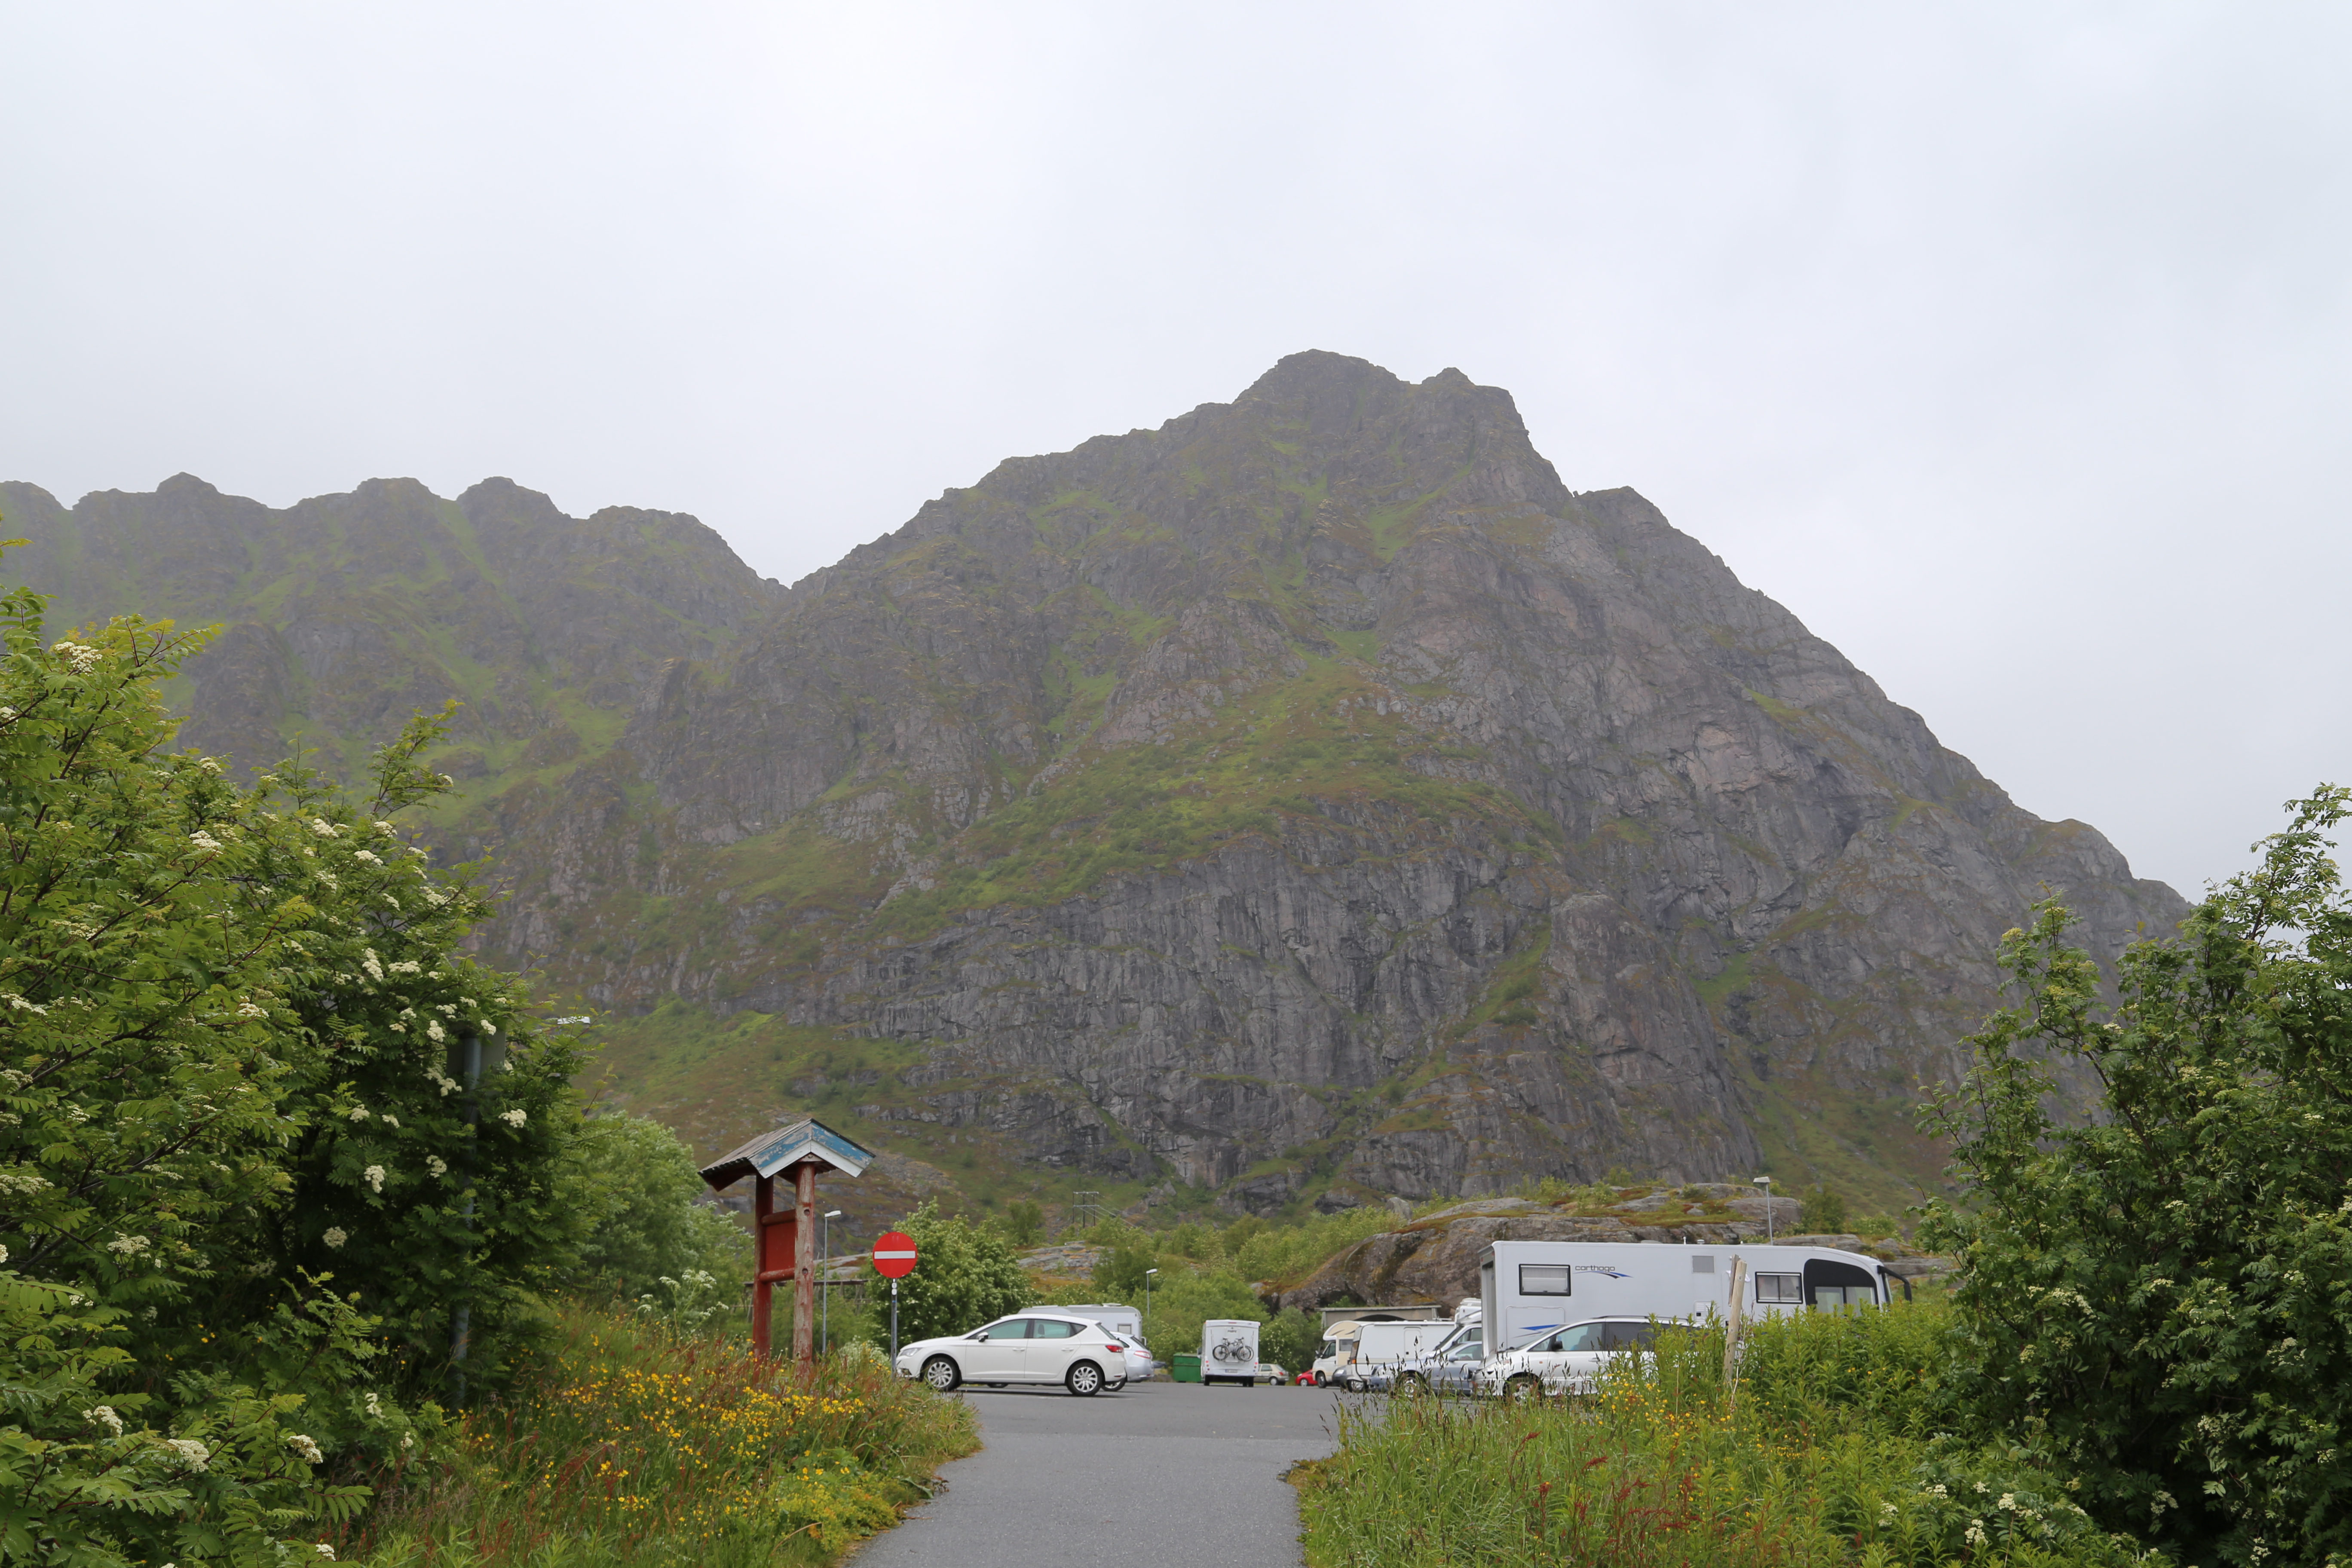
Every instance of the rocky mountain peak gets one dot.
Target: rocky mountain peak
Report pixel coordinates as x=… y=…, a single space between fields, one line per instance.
x=1310 y=798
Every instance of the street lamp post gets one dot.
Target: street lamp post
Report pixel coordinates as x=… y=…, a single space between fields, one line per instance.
x=1766 y=1182
x=824 y=1280
x=1147 y=1304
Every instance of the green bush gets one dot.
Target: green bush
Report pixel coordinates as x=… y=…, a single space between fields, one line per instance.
x=238 y=1128
x=2157 y=1298
x=640 y=1183
x=1822 y=1212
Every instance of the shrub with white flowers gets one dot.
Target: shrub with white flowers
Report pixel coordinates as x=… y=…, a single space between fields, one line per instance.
x=207 y=1108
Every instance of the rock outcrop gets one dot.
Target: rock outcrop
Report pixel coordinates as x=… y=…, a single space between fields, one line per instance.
x=1311 y=796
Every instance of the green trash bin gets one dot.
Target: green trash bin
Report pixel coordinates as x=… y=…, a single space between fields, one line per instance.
x=1184 y=1368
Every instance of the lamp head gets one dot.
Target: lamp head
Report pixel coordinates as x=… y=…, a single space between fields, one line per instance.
x=1763 y=1180
x=1150 y=1272
x=833 y=1214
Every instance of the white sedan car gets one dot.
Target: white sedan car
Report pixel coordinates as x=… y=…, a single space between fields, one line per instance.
x=1032 y=1347
x=1568 y=1361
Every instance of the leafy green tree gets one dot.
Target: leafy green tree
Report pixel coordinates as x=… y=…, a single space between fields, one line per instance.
x=243 y=1139
x=1823 y=1213
x=1024 y=1222
x=1121 y=1271
x=964 y=1275
x=1290 y=1338
x=2161 y=1299
x=649 y=1222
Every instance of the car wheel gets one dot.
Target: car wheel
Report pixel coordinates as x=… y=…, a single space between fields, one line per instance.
x=1524 y=1389
x=1412 y=1386
x=1319 y=1379
x=942 y=1374
x=1353 y=1385
x=1085 y=1379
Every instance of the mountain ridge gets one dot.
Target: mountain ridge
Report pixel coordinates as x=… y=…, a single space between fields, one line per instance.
x=1309 y=799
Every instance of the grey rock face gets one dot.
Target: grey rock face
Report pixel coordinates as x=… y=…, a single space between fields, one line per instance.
x=1310 y=796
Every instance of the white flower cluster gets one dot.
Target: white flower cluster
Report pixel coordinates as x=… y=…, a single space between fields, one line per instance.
x=308 y=1450
x=432 y=1027
x=105 y=1417
x=369 y=856
x=19 y=1003
x=327 y=1551
x=357 y=1113
x=129 y=1245
x=325 y=829
x=405 y=966
x=204 y=842
x=335 y=1236
x=373 y=1175
x=372 y=964
x=187 y=1454
x=446 y=1084
x=515 y=1118
x=21 y=1183
x=83 y=657
x=248 y=1010
x=432 y=1162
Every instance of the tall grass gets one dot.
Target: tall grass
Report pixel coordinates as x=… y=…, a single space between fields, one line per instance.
x=1817 y=1461
x=637 y=1446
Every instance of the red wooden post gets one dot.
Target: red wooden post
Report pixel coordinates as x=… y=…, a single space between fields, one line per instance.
x=779 y=1245
x=763 y=1202
x=805 y=1264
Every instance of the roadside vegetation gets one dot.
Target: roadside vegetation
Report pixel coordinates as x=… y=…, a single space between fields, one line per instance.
x=1830 y=1450
x=309 y=1245
x=632 y=1444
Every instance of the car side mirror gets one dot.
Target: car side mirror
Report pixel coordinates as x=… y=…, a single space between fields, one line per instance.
x=980 y=1333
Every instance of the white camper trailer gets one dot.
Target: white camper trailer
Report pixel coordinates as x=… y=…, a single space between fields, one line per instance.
x=1362 y=1355
x=1530 y=1288
x=1228 y=1351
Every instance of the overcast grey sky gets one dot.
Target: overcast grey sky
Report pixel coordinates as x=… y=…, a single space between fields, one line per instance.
x=2008 y=345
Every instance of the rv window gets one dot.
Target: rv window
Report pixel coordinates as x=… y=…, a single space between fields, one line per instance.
x=1543 y=1280
x=1776 y=1287
x=1702 y=1262
x=1326 y=1350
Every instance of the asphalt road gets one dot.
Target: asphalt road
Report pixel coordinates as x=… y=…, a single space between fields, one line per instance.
x=1159 y=1472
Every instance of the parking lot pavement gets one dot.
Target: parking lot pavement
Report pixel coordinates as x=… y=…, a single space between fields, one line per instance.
x=1164 y=1472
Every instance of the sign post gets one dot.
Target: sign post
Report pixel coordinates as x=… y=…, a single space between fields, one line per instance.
x=783 y=1245
x=894 y=1259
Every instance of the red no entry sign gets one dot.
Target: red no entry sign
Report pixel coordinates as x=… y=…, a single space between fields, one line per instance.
x=894 y=1254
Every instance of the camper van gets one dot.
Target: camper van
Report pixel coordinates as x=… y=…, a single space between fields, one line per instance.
x=1531 y=1289
x=1361 y=1355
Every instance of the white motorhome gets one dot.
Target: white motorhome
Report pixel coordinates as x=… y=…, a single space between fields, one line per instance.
x=1228 y=1351
x=1117 y=1316
x=1362 y=1354
x=1531 y=1289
